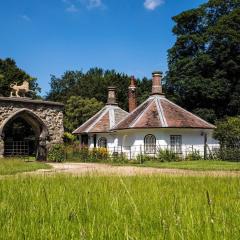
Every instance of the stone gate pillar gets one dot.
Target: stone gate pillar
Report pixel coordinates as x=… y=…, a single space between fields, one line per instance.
x=42 y=149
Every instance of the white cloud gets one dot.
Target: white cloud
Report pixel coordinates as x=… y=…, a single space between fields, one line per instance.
x=26 y=18
x=72 y=8
x=94 y=3
x=153 y=4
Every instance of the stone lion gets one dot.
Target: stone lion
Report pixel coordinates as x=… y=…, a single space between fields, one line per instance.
x=23 y=89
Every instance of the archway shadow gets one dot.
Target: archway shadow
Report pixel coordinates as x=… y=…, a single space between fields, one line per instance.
x=38 y=129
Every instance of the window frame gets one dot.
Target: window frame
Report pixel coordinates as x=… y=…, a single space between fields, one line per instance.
x=150 y=144
x=176 y=143
x=100 y=142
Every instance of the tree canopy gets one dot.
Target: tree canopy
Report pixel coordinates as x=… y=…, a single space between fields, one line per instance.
x=228 y=132
x=78 y=110
x=10 y=73
x=94 y=83
x=204 y=63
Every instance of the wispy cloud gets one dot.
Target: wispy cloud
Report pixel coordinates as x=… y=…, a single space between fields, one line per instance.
x=94 y=4
x=26 y=18
x=73 y=6
x=153 y=4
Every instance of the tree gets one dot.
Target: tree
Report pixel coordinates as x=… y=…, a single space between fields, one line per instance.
x=204 y=63
x=94 y=83
x=10 y=73
x=228 y=132
x=78 y=110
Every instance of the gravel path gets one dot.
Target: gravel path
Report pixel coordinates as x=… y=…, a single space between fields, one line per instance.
x=104 y=169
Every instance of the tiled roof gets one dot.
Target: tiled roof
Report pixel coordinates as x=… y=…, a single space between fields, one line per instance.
x=159 y=112
x=103 y=121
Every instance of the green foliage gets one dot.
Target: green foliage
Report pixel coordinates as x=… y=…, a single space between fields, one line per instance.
x=167 y=156
x=94 y=83
x=84 y=154
x=194 y=156
x=119 y=159
x=98 y=155
x=229 y=154
x=56 y=153
x=204 y=63
x=78 y=110
x=69 y=138
x=141 y=158
x=10 y=73
x=228 y=132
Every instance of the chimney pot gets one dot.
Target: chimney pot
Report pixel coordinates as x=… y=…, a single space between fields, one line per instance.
x=157 y=83
x=112 y=96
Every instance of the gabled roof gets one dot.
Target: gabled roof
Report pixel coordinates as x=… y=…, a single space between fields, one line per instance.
x=103 y=121
x=159 y=112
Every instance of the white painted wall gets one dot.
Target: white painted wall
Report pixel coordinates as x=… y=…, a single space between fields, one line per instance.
x=131 y=142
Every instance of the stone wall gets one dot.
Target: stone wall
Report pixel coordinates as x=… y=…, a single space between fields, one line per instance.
x=50 y=113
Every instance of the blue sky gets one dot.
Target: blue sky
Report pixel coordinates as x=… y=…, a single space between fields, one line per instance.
x=51 y=36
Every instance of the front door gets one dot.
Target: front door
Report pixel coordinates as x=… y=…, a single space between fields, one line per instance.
x=84 y=140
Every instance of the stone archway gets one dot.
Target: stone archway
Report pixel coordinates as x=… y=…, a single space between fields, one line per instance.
x=38 y=126
x=45 y=118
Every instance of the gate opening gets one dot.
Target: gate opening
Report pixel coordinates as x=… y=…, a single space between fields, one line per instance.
x=19 y=138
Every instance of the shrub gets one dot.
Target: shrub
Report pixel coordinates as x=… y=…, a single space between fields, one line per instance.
x=228 y=132
x=141 y=158
x=229 y=154
x=194 y=156
x=167 y=156
x=56 y=153
x=98 y=154
x=69 y=138
x=119 y=158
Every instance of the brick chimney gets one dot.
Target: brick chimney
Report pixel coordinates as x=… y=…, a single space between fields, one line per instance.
x=157 y=83
x=112 y=96
x=132 y=96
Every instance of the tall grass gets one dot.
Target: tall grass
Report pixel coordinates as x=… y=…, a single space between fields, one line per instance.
x=144 y=207
x=9 y=166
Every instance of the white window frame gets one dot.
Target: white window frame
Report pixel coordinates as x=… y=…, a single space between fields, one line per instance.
x=176 y=143
x=150 y=144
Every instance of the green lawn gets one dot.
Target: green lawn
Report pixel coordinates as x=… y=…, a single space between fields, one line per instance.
x=10 y=166
x=201 y=165
x=141 y=207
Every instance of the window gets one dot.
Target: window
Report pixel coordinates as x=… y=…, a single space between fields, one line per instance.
x=176 y=143
x=102 y=142
x=150 y=144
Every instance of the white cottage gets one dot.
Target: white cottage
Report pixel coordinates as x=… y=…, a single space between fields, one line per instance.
x=156 y=124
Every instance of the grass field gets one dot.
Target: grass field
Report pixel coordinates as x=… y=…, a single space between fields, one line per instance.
x=94 y=207
x=13 y=166
x=203 y=165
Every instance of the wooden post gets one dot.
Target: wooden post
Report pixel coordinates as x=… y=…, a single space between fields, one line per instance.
x=140 y=154
x=205 y=146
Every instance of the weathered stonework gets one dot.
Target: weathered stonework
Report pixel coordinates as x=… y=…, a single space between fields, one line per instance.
x=46 y=116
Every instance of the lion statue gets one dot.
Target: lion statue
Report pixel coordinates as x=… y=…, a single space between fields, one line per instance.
x=23 y=89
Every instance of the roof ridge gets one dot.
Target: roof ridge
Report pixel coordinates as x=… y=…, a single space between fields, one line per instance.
x=112 y=119
x=161 y=113
x=190 y=113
